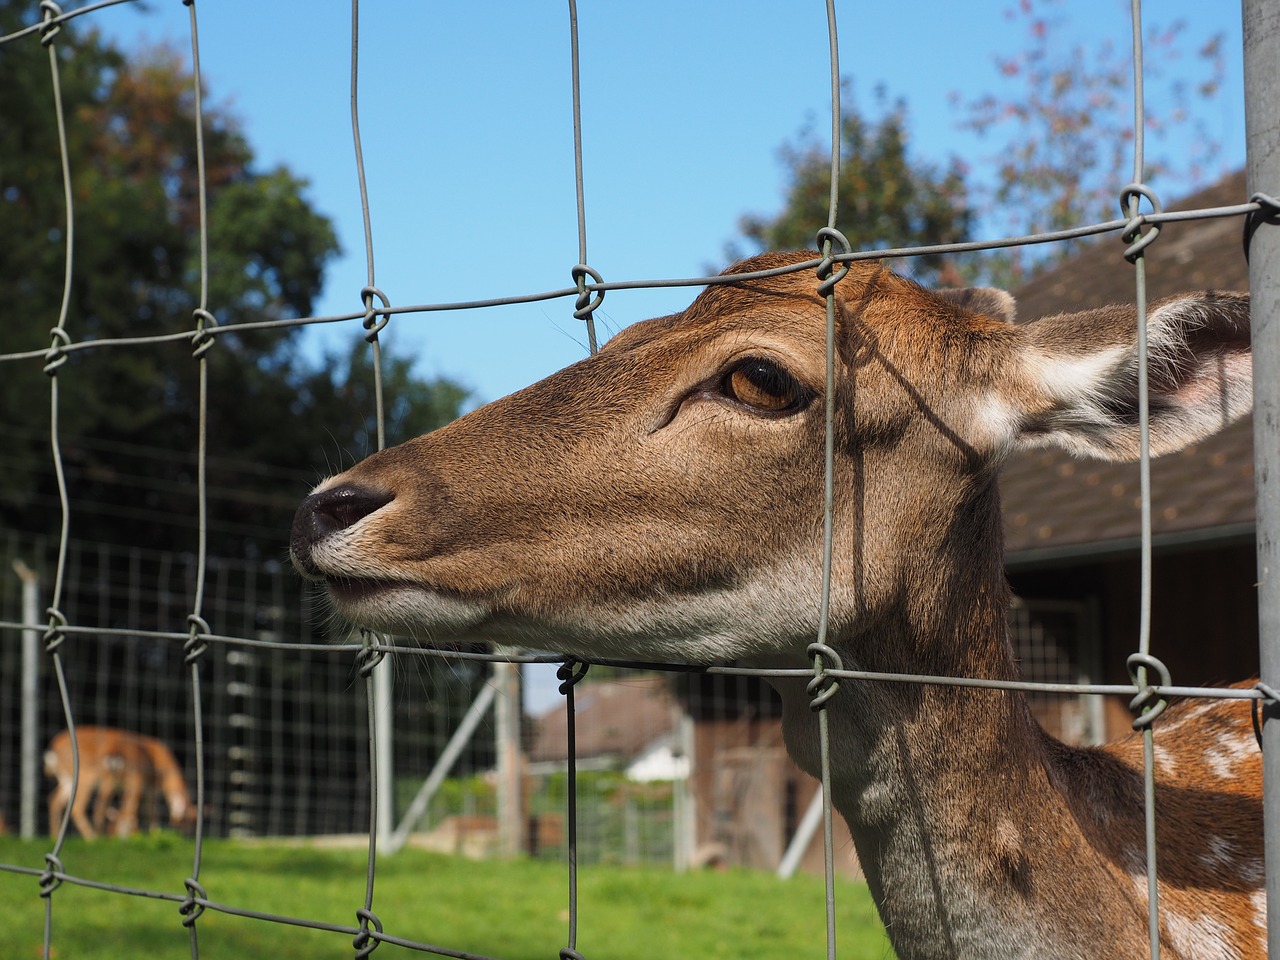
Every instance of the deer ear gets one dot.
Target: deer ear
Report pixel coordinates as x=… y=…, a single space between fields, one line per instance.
x=1082 y=373
x=988 y=301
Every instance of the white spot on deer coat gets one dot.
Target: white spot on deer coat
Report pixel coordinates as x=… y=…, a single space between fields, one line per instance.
x=1217 y=854
x=1202 y=937
x=1166 y=766
x=1258 y=899
x=1229 y=750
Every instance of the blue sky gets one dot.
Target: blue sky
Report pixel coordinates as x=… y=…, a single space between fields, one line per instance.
x=466 y=125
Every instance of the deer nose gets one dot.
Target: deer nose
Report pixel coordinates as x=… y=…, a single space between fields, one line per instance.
x=329 y=512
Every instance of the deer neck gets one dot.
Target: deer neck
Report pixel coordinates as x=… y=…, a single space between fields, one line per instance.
x=949 y=792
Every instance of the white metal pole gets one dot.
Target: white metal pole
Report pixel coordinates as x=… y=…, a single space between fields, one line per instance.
x=30 y=773
x=810 y=823
x=383 y=714
x=452 y=750
x=682 y=815
x=506 y=677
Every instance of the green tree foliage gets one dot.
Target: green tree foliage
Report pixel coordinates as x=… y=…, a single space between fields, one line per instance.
x=887 y=198
x=1061 y=127
x=128 y=416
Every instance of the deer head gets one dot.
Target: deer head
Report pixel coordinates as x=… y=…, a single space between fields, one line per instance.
x=663 y=499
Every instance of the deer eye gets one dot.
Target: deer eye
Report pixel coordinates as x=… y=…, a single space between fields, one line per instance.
x=764 y=386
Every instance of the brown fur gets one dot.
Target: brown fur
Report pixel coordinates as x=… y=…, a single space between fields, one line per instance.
x=632 y=505
x=115 y=765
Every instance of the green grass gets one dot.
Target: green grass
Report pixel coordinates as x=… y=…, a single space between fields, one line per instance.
x=510 y=910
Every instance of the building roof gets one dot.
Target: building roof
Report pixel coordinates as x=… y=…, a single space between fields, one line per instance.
x=617 y=719
x=1056 y=505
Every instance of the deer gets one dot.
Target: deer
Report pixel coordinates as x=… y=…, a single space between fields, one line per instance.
x=663 y=500
x=113 y=763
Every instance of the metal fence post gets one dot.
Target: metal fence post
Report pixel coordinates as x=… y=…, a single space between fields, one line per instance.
x=385 y=721
x=1262 y=131
x=506 y=677
x=30 y=775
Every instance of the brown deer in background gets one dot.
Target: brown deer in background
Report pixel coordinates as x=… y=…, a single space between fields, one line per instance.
x=663 y=500
x=115 y=765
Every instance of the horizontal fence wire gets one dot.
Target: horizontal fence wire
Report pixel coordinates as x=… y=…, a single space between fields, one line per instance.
x=370 y=654
x=1263 y=205
x=416 y=649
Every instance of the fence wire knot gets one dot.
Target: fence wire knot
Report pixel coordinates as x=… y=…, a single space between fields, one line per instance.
x=56 y=356
x=569 y=673
x=1133 y=235
x=192 y=907
x=568 y=953
x=50 y=29
x=823 y=686
x=202 y=339
x=1268 y=212
x=828 y=273
x=53 y=635
x=372 y=325
x=194 y=647
x=49 y=880
x=370 y=654
x=364 y=942
x=1147 y=703
x=586 y=304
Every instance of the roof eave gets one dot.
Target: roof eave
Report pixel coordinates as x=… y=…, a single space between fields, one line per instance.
x=1076 y=554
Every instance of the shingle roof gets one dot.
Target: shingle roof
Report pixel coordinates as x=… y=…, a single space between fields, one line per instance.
x=614 y=718
x=1056 y=503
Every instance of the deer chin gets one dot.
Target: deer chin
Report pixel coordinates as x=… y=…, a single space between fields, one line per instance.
x=406 y=609
x=692 y=631
x=699 y=631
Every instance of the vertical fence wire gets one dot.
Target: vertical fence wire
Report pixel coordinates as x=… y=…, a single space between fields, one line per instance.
x=55 y=358
x=1137 y=257
x=585 y=305
x=823 y=687
x=371 y=292
x=372 y=657
x=569 y=674
x=195 y=646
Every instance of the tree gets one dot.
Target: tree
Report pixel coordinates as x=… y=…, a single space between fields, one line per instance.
x=887 y=199
x=128 y=415
x=1065 y=138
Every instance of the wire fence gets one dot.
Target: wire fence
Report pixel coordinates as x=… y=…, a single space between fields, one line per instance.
x=1150 y=688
